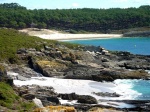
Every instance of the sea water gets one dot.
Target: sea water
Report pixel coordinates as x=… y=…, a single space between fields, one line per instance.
x=134 y=89
x=136 y=45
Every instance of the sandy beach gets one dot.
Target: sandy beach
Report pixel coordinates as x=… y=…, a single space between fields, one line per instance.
x=56 y=35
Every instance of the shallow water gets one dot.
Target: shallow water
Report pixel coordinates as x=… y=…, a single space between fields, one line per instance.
x=135 y=45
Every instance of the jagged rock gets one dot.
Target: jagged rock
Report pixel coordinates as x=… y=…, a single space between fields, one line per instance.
x=72 y=96
x=28 y=96
x=104 y=60
x=87 y=99
x=50 y=68
x=22 y=51
x=107 y=94
x=53 y=99
x=80 y=98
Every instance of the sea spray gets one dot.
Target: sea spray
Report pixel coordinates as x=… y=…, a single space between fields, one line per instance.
x=134 y=89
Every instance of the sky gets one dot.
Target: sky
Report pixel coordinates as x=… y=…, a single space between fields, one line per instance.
x=68 y=4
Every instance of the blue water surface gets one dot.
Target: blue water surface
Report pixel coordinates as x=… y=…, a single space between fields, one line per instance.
x=141 y=88
x=135 y=45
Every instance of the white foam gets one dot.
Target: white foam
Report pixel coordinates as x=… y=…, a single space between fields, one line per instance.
x=83 y=87
x=124 y=87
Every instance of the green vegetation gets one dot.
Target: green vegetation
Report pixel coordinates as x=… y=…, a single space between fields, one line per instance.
x=98 y=20
x=12 y=40
x=9 y=99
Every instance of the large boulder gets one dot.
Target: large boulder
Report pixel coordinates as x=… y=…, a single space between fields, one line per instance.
x=87 y=99
x=71 y=96
x=50 y=68
x=53 y=99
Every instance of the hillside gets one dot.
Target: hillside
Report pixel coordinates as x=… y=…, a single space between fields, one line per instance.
x=12 y=40
x=74 y=20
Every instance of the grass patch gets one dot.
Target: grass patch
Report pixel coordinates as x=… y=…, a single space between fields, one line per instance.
x=9 y=99
x=11 y=40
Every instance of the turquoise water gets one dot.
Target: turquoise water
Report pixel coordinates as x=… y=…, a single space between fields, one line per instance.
x=140 y=88
x=135 y=89
x=136 y=45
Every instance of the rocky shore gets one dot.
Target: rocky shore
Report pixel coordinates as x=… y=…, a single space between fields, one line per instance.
x=84 y=62
x=137 y=34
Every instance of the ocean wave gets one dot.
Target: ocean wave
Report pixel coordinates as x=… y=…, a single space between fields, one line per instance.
x=125 y=88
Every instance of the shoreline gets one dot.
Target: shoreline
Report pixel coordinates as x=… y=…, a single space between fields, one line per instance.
x=56 y=35
x=65 y=37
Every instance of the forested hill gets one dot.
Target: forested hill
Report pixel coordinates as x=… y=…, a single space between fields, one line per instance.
x=15 y=16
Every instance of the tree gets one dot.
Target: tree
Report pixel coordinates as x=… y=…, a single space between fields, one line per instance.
x=21 y=25
x=41 y=25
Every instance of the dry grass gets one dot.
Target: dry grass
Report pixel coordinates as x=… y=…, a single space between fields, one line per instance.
x=55 y=109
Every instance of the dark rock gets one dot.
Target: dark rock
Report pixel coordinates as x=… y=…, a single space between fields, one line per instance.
x=80 y=98
x=104 y=60
x=21 y=51
x=53 y=99
x=28 y=96
x=93 y=48
x=87 y=99
x=107 y=94
x=137 y=34
x=71 y=96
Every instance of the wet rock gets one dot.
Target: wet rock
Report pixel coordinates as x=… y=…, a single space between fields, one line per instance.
x=87 y=99
x=71 y=96
x=106 y=94
x=45 y=94
x=53 y=99
x=80 y=98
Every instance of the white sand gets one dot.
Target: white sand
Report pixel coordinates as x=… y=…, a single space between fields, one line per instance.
x=77 y=36
x=56 y=35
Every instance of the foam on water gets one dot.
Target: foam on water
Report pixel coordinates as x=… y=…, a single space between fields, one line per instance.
x=134 y=89
x=125 y=88
x=83 y=87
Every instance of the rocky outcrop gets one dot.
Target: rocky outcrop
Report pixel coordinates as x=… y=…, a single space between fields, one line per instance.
x=50 y=68
x=90 y=73
x=89 y=63
x=45 y=94
x=137 y=34
x=85 y=99
x=107 y=94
